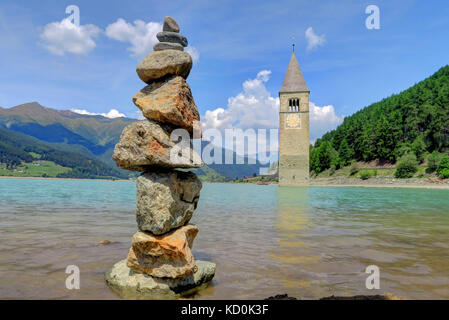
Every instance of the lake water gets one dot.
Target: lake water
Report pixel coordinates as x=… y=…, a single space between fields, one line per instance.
x=266 y=240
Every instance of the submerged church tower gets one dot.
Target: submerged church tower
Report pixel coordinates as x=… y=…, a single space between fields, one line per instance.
x=294 y=127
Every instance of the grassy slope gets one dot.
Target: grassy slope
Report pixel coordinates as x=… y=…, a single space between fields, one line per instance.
x=43 y=169
x=386 y=172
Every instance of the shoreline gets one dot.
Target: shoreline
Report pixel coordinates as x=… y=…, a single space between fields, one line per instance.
x=315 y=182
x=411 y=183
x=391 y=186
x=67 y=179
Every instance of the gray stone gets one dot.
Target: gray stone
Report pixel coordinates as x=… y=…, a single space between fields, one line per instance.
x=147 y=144
x=173 y=37
x=167 y=46
x=170 y=24
x=131 y=285
x=166 y=200
x=158 y=64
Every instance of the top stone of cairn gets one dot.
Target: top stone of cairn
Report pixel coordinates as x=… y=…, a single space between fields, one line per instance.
x=170 y=24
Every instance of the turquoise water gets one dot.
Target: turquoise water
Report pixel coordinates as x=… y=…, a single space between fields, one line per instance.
x=307 y=242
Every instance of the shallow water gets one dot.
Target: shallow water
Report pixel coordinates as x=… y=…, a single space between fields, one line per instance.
x=307 y=242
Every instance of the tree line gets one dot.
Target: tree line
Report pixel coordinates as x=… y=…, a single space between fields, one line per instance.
x=413 y=122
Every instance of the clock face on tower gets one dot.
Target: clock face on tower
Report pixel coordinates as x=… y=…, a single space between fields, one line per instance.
x=293 y=121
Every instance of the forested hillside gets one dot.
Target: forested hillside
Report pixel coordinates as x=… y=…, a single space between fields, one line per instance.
x=413 y=121
x=18 y=149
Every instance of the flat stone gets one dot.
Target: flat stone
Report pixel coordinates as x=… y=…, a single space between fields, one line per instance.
x=131 y=285
x=165 y=256
x=174 y=37
x=166 y=200
x=169 y=101
x=170 y=24
x=147 y=144
x=159 y=64
x=167 y=46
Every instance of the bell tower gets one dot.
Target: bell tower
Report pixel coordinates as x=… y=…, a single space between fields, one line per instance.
x=294 y=127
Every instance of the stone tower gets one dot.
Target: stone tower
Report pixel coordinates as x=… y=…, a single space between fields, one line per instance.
x=294 y=127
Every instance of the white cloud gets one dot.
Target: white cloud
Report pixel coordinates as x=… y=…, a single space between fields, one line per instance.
x=194 y=53
x=113 y=113
x=314 y=40
x=64 y=36
x=253 y=108
x=322 y=120
x=141 y=35
x=256 y=108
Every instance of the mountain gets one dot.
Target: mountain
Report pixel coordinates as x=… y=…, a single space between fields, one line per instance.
x=90 y=137
x=416 y=119
x=18 y=150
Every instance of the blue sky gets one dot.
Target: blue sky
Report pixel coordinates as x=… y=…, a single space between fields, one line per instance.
x=236 y=40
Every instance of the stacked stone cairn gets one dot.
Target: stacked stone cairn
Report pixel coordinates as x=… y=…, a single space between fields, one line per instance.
x=160 y=262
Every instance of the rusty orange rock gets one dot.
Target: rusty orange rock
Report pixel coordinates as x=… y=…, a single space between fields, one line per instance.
x=168 y=101
x=164 y=256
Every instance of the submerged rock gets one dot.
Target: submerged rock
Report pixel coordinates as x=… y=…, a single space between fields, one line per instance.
x=385 y=296
x=131 y=285
x=159 y=64
x=145 y=144
x=166 y=200
x=169 y=101
x=165 y=256
x=284 y=296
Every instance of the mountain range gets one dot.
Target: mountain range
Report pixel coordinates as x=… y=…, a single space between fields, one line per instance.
x=31 y=132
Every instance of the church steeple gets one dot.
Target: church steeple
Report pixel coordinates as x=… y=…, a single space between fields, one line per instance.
x=294 y=127
x=294 y=80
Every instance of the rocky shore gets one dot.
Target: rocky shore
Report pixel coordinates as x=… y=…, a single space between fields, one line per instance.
x=380 y=182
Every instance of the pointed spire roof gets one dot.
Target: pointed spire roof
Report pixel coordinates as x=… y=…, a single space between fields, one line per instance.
x=294 y=80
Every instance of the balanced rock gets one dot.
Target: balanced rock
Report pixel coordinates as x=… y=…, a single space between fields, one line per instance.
x=167 y=46
x=169 y=101
x=145 y=144
x=173 y=37
x=170 y=24
x=161 y=63
x=165 y=256
x=166 y=200
x=132 y=285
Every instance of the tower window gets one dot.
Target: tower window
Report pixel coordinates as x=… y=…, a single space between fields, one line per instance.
x=293 y=105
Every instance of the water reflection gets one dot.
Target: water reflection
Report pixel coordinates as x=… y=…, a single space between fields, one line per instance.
x=293 y=224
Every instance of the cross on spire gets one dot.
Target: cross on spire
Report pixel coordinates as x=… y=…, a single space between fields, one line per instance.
x=293 y=44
